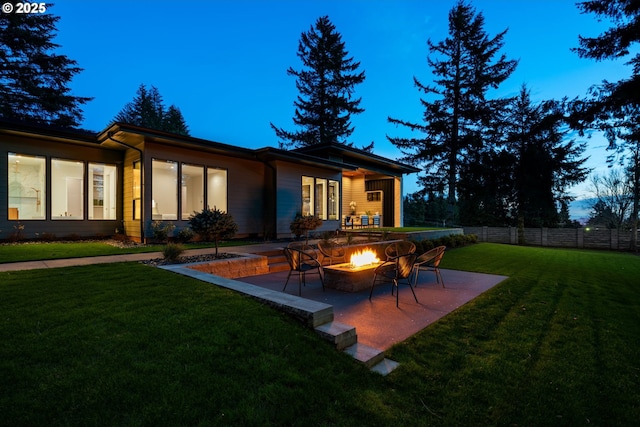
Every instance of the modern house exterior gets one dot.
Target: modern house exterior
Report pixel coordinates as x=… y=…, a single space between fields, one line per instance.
x=67 y=182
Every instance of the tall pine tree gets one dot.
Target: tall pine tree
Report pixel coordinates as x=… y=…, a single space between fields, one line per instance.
x=465 y=68
x=326 y=85
x=614 y=107
x=34 y=80
x=147 y=110
x=544 y=163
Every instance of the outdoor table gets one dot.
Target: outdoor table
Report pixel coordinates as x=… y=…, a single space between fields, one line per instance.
x=344 y=277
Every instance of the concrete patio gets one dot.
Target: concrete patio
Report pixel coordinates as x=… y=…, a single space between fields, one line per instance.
x=379 y=323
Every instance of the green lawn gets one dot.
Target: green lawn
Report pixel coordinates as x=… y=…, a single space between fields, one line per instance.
x=58 y=250
x=128 y=344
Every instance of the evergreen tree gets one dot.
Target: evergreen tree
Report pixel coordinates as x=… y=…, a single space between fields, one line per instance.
x=544 y=164
x=147 y=110
x=326 y=85
x=614 y=107
x=486 y=188
x=174 y=122
x=465 y=68
x=34 y=80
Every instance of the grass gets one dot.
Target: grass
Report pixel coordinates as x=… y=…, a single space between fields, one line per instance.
x=126 y=344
x=59 y=250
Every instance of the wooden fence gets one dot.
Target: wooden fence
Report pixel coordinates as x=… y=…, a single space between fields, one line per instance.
x=588 y=238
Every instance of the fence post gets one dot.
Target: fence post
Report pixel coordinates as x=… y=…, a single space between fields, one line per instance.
x=513 y=235
x=614 y=239
x=580 y=238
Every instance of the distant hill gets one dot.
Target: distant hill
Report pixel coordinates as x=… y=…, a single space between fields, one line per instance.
x=580 y=210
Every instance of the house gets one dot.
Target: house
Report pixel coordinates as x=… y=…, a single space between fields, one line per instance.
x=70 y=182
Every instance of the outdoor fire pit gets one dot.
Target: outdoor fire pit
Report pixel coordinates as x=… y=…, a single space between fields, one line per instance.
x=353 y=276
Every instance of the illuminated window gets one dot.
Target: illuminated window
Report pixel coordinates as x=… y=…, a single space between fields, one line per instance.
x=308 y=190
x=67 y=189
x=136 y=193
x=102 y=191
x=334 y=199
x=26 y=182
x=192 y=190
x=320 y=197
x=164 y=190
x=217 y=189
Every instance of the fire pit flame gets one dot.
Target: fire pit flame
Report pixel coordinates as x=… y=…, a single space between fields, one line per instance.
x=363 y=258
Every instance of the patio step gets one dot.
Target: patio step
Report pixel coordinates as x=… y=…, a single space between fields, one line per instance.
x=276 y=260
x=368 y=355
x=339 y=334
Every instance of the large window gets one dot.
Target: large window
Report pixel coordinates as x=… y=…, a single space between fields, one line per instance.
x=67 y=189
x=136 y=191
x=308 y=188
x=26 y=179
x=217 y=189
x=164 y=190
x=334 y=199
x=320 y=197
x=192 y=190
x=102 y=191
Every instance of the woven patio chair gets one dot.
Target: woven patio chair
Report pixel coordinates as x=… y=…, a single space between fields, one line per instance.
x=429 y=261
x=399 y=248
x=395 y=270
x=332 y=251
x=302 y=262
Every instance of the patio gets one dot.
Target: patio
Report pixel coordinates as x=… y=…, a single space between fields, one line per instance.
x=379 y=323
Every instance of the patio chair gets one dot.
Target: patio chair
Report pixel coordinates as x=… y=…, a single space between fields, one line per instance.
x=376 y=220
x=302 y=246
x=399 y=248
x=364 y=221
x=395 y=270
x=333 y=251
x=348 y=221
x=302 y=262
x=429 y=261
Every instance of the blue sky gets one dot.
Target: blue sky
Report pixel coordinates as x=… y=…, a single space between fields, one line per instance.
x=223 y=63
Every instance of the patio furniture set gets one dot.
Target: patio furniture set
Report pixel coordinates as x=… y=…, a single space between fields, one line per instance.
x=402 y=265
x=361 y=221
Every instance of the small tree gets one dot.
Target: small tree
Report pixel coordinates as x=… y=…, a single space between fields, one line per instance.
x=213 y=224
x=302 y=224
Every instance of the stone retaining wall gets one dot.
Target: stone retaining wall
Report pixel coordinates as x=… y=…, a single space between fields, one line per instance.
x=231 y=268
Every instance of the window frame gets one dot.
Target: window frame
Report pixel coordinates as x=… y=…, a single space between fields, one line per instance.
x=316 y=200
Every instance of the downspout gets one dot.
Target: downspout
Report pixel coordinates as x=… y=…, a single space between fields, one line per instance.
x=142 y=198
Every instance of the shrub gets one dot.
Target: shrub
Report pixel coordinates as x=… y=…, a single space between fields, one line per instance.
x=184 y=235
x=213 y=225
x=302 y=224
x=18 y=233
x=161 y=230
x=48 y=237
x=172 y=252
